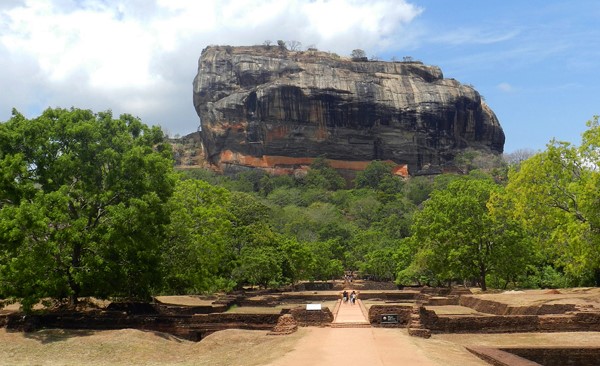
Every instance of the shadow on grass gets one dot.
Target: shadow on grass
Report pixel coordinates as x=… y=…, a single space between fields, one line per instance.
x=46 y=336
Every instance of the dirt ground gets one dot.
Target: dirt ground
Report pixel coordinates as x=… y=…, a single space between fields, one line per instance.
x=308 y=346
x=134 y=347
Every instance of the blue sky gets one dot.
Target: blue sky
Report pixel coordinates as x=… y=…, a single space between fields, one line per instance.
x=535 y=62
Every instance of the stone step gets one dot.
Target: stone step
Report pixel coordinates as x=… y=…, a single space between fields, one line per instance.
x=419 y=332
x=351 y=325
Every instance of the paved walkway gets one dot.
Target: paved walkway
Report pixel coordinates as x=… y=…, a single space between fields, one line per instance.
x=354 y=345
x=349 y=313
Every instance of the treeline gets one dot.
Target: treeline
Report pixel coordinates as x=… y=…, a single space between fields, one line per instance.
x=90 y=205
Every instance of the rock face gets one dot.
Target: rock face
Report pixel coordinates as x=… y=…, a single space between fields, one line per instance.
x=276 y=109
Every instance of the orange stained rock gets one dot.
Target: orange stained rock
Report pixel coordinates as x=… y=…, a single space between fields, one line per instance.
x=276 y=163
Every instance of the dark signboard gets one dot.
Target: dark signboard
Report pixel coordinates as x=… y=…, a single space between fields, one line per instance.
x=389 y=319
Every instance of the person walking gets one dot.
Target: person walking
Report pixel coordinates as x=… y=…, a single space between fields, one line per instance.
x=353 y=297
x=345 y=296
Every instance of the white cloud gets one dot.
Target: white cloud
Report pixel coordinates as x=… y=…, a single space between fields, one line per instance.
x=112 y=52
x=505 y=87
x=475 y=36
x=140 y=56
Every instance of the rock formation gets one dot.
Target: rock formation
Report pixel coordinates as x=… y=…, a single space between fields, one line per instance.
x=275 y=109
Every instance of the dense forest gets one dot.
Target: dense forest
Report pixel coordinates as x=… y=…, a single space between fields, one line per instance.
x=91 y=205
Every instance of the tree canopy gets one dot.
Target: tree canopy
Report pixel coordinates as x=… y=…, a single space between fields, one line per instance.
x=90 y=206
x=459 y=238
x=82 y=205
x=556 y=195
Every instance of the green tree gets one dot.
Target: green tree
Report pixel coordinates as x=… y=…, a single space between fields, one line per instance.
x=363 y=244
x=297 y=259
x=364 y=210
x=82 y=205
x=418 y=189
x=380 y=264
x=555 y=194
x=458 y=236
x=376 y=173
x=259 y=266
x=268 y=183
x=198 y=237
x=311 y=223
x=358 y=54
x=322 y=175
x=325 y=265
x=395 y=217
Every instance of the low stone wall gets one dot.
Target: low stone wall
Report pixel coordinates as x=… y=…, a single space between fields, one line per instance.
x=389 y=296
x=167 y=309
x=286 y=324
x=551 y=356
x=192 y=327
x=483 y=306
x=575 y=322
x=497 y=357
x=301 y=297
x=440 y=301
x=436 y=291
x=375 y=285
x=376 y=312
x=133 y=308
x=479 y=324
x=312 y=317
x=497 y=308
x=336 y=309
x=236 y=318
x=314 y=286
x=219 y=305
x=262 y=301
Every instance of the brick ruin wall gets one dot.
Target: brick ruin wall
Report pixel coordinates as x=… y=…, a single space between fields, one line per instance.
x=535 y=356
x=497 y=308
x=376 y=312
x=580 y=321
x=312 y=317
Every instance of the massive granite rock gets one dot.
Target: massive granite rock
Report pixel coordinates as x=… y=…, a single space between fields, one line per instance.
x=276 y=109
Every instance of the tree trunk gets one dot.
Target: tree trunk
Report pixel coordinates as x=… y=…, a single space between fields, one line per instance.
x=482 y=273
x=75 y=264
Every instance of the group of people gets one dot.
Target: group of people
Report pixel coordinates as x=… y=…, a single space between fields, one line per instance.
x=351 y=298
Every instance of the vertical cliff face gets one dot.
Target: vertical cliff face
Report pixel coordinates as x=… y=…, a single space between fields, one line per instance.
x=274 y=109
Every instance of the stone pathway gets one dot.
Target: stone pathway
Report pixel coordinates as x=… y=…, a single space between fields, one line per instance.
x=352 y=340
x=356 y=346
x=349 y=315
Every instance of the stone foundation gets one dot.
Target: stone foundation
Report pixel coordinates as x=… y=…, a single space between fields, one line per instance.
x=551 y=356
x=286 y=324
x=576 y=322
x=306 y=318
x=191 y=327
x=402 y=311
x=497 y=308
x=535 y=356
